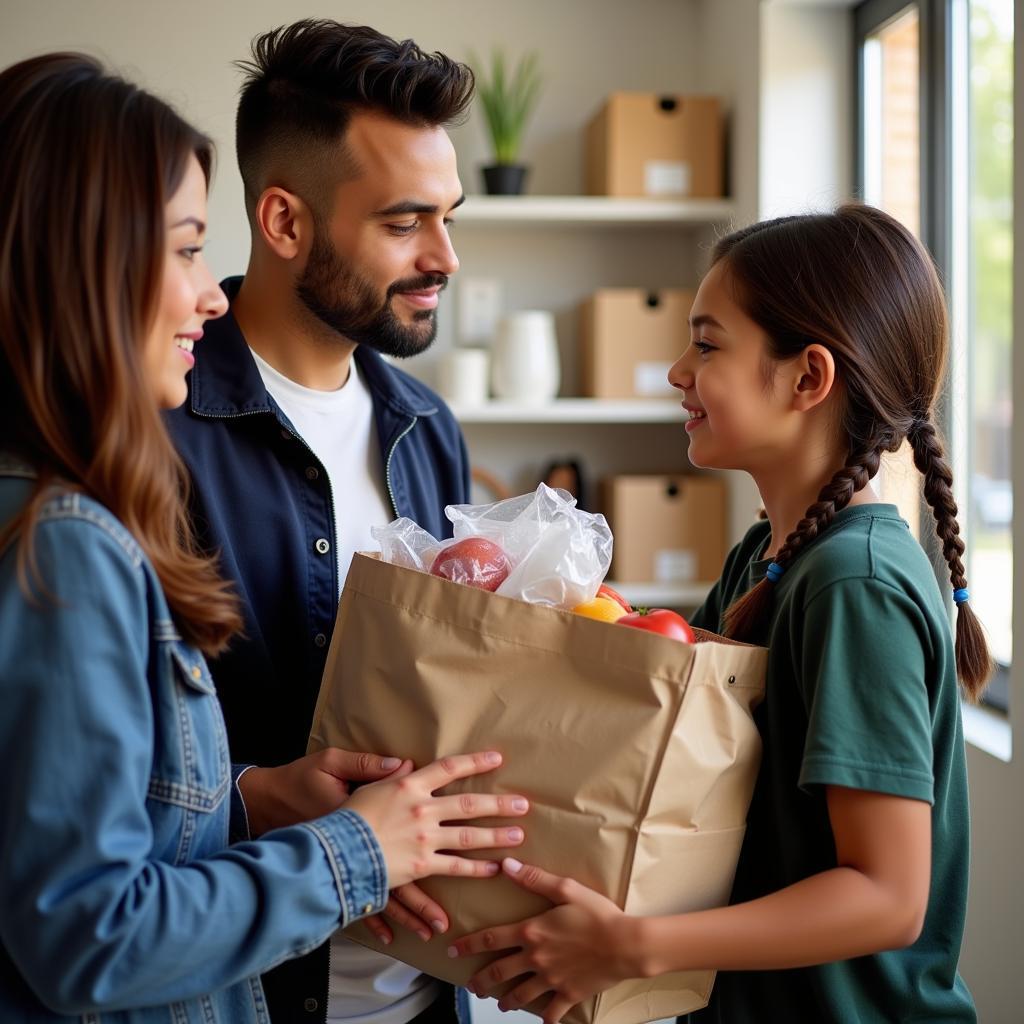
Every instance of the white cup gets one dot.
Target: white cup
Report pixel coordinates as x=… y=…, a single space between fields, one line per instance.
x=526 y=365
x=463 y=376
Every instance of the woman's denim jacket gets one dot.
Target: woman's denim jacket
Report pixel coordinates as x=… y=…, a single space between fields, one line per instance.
x=120 y=898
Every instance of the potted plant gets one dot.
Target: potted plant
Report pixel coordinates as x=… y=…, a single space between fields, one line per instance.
x=508 y=98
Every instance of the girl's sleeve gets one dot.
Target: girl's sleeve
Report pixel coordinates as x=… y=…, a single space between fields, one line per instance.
x=90 y=918
x=867 y=659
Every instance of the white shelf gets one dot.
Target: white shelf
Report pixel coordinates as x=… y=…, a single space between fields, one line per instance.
x=574 y=410
x=671 y=595
x=593 y=211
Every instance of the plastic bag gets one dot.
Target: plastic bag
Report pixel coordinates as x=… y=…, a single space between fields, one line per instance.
x=404 y=543
x=558 y=553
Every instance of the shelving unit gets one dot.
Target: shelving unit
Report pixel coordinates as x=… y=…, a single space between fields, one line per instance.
x=672 y=595
x=592 y=211
x=552 y=249
x=585 y=242
x=578 y=243
x=573 y=410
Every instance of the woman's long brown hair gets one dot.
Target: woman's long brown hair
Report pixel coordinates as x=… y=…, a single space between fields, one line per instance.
x=89 y=163
x=859 y=283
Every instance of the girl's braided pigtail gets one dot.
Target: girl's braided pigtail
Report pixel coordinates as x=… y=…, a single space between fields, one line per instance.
x=744 y=617
x=973 y=661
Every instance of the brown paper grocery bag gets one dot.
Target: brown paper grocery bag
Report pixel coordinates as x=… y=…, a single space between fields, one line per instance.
x=638 y=753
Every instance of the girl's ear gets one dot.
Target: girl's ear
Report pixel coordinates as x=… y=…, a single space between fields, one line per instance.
x=814 y=377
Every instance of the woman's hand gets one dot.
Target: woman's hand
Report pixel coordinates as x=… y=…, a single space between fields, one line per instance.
x=408 y=820
x=575 y=950
x=308 y=787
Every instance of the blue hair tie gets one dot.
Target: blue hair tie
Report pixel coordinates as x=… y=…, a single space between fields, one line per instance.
x=774 y=572
x=960 y=596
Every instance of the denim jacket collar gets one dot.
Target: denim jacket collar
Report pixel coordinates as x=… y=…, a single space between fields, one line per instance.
x=226 y=381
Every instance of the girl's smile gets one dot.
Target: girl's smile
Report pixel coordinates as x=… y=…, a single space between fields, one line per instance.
x=697 y=417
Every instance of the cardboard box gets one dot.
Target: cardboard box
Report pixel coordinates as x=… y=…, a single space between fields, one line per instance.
x=643 y=144
x=628 y=340
x=668 y=529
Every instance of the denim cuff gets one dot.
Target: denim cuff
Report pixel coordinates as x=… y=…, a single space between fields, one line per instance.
x=238 y=822
x=357 y=862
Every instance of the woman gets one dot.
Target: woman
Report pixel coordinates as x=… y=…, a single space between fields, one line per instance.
x=119 y=890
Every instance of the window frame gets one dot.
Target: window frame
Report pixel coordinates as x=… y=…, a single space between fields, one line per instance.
x=935 y=61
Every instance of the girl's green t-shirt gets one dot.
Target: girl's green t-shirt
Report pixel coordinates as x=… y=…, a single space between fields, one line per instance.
x=861 y=692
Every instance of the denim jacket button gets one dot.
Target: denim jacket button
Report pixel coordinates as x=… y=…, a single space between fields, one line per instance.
x=312 y=473
x=320 y=640
x=368 y=908
x=196 y=672
x=310 y=1005
x=285 y=434
x=322 y=546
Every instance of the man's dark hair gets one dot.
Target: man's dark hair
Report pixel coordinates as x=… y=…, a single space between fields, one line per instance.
x=305 y=81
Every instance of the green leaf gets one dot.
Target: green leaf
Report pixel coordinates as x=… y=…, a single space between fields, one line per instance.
x=508 y=98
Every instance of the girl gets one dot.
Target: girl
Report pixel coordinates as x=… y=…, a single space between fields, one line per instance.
x=119 y=890
x=818 y=343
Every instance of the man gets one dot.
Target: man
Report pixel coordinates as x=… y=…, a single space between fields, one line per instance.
x=300 y=437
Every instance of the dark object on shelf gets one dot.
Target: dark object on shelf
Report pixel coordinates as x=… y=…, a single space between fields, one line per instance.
x=567 y=474
x=505 y=179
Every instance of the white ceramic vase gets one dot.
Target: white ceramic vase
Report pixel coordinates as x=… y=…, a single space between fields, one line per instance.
x=525 y=365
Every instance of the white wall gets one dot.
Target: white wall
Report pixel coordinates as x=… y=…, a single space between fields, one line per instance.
x=184 y=52
x=807 y=96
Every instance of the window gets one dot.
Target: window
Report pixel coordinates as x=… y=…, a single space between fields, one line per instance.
x=981 y=273
x=892 y=116
x=891 y=140
x=935 y=97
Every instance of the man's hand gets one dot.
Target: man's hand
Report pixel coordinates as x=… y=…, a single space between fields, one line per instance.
x=412 y=908
x=307 y=788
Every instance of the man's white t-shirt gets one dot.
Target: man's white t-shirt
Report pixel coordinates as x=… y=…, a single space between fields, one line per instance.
x=338 y=426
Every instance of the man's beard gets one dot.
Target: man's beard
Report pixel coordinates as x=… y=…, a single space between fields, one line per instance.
x=347 y=303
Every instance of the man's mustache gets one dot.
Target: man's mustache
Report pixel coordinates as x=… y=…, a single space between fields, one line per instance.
x=419 y=284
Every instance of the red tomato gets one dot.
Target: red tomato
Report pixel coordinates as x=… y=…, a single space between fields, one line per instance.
x=613 y=595
x=474 y=561
x=660 y=620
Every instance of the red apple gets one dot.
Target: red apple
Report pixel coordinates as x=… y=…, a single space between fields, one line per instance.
x=474 y=561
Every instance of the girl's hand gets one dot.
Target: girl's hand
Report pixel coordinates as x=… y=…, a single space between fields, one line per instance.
x=407 y=819
x=412 y=908
x=579 y=948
